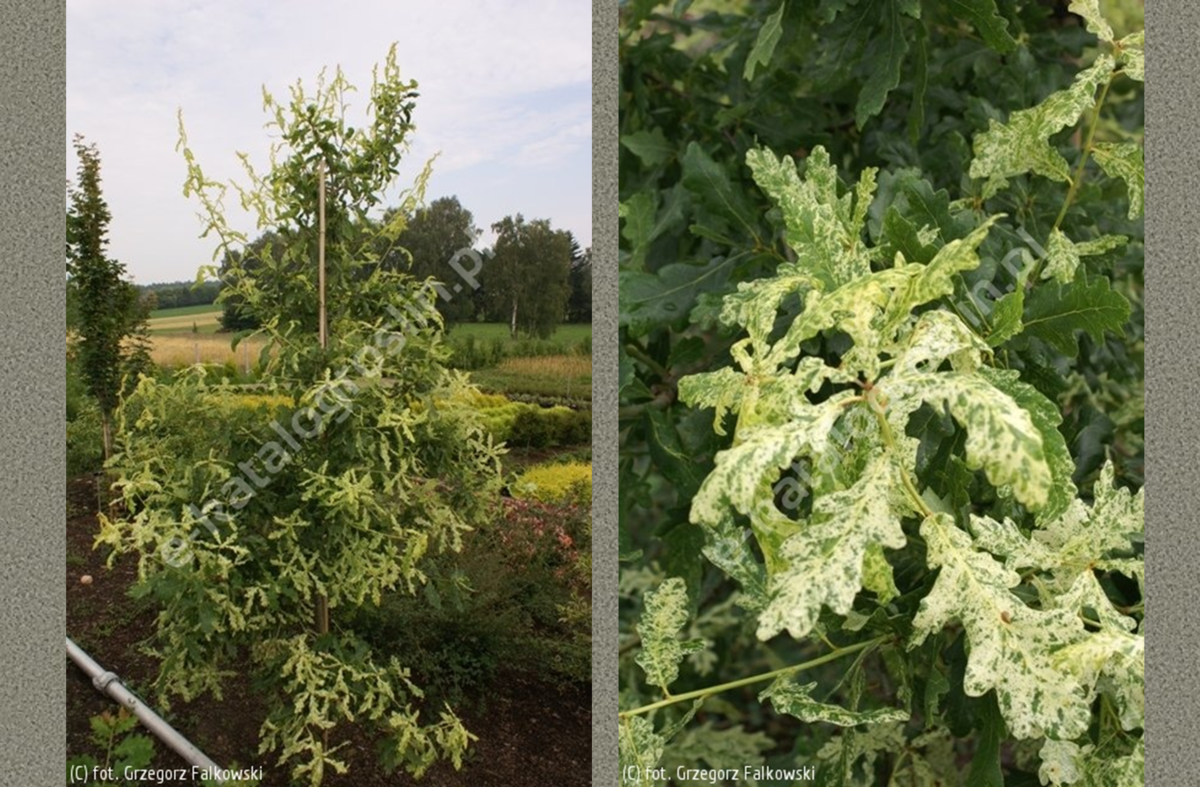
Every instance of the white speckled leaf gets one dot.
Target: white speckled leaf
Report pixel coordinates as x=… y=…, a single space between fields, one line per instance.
x=1059 y=763
x=755 y=305
x=744 y=473
x=664 y=617
x=927 y=283
x=1046 y=418
x=1001 y=437
x=1011 y=645
x=825 y=558
x=1124 y=161
x=1066 y=762
x=1133 y=56
x=853 y=308
x=1083 y=535
x=788 y=696
x=939 y=336
x=1095 y=21
x=639 y=750
x=823 y=231
x=1113 y=659
x=1023 y=143
x=1062 y=258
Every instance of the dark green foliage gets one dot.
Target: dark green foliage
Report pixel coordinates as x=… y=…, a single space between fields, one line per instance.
x=434 y=235
x=527 y=278
x=174 y=295
x=107 y=318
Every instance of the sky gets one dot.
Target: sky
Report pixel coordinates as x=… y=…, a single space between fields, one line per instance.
x=505 y=102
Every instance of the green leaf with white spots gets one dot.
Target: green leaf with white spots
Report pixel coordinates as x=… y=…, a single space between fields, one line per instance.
x=937 y=337
x=1095 y=21
x=1125 y=161
x=639 y=750
x=824 y=559
x=664 y=617
x=1062 y=258
x=824 y=231
x=788 y=696
x=1046 y=418
x=1001 y=437
x=1012 y=646
x=745 y=473
x=927 y=283
x=1133 y=56
x=1022 y=144
x=1112 y=764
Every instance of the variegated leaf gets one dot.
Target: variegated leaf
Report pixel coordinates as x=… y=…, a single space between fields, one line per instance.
x=1132 y=55
x=1124 y=161
x=1023 y=143
x=1095 y=21
x=788 y=696
x=1011 y=645
x=824 y=231
x=824 y=559
x=1001 y=438
x=664 y=617
x=639 y=750
x=939 y=336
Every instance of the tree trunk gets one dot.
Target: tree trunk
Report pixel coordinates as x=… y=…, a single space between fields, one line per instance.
x=513 y=327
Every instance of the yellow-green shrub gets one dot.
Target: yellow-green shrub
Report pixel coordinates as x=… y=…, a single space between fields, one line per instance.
x=562 y=483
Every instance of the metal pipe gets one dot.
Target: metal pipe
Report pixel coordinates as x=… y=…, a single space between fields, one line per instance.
x=108 y=683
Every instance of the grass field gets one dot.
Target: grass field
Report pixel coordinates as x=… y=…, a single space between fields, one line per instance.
x=184 y=350
x=560 y=369
x=567 y=376
x=206 y=319
x=488 y=331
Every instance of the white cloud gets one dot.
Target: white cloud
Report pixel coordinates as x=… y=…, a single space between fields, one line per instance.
x=501 y=83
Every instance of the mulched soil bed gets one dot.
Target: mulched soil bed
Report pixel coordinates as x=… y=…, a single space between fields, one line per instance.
x=530 y=732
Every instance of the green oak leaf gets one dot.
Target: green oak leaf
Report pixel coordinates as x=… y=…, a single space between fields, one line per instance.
x=764 y=45
x=1054 y=312
x=982 y=14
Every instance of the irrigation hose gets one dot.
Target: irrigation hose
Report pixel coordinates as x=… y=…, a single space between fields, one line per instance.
x=108 y=683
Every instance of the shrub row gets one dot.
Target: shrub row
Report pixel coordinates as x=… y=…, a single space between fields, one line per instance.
x=569 y=482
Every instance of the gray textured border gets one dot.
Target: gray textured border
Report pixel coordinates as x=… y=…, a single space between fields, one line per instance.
x=32 y=387
x=604 y=392
x=1172 y=360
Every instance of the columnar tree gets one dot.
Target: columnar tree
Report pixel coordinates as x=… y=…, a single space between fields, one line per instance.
x=251 y=520
x=528 y=275
x=107 y=319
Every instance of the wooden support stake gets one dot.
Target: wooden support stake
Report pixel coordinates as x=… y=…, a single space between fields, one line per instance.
x=322 y=332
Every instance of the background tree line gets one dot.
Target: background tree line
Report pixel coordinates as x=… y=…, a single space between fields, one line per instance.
x=533 y=278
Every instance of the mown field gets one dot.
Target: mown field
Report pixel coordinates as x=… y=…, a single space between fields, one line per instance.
x=559 y=367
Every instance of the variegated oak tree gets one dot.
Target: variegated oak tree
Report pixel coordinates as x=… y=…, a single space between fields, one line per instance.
x=251 y=516
x=894 y=476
